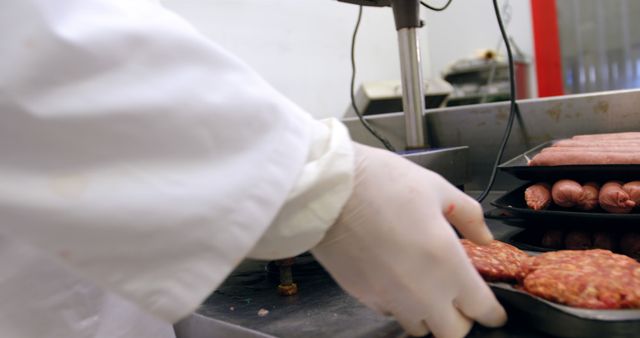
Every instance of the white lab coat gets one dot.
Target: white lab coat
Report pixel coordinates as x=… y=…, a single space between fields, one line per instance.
x=139 y=163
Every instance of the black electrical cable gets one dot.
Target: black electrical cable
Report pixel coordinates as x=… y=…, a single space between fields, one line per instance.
x=437 y=9
x=366 y=124
x=513 y=111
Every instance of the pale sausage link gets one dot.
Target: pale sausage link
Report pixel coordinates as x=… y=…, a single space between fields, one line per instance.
x=589 y=198
x=566 y=193
x=614 y=199
x=582 y=158
x=633 y=189
x=538 y=196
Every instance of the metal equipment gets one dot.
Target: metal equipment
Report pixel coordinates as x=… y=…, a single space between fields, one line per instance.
x=383 y=97
x=407 y=18
x=485 y=78
x=322 y=309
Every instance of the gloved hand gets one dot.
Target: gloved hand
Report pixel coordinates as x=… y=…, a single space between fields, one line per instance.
x=393 y=249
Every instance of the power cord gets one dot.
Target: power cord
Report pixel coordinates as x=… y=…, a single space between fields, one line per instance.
x=366 y=124
x=513 y=110
x=437 y=9
x=506 y=19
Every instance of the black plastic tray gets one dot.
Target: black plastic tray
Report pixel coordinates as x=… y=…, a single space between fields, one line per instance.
x=518 y=167
x=529 y=240
x=564 y=321
x=513 y=202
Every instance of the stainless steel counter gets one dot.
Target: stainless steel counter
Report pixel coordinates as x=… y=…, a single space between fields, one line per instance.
x=321 y=309
x=480 y=127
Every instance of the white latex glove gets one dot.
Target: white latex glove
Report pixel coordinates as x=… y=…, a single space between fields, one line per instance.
x=393 y=248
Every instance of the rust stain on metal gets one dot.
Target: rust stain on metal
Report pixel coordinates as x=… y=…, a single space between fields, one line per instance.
x=502 y=115
x=601 y=107
x=542 y=138
x=555 y=112
x=288 y=289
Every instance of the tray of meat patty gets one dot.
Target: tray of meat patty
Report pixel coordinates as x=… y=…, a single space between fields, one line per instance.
x=567 y=293
x=613 y=156
x=569 y=202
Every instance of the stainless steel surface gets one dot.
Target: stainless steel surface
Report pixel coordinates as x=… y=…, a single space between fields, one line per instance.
x=199 y=326
x=481 y=127
x=383 y=97
x=451 y=163
x=412 y=87
x=321 y=309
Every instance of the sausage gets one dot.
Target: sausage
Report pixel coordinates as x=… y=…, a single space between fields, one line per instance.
x=553 y=238
x=589 y=198
x=614 y=199
x=578 y=240
x=609 y=136
x=591 y=149
x=597 y=143
x=577 y=158
x=633 y=189
x=603 y=240
x=630 y=245
x=538 y=196
x=566 y=193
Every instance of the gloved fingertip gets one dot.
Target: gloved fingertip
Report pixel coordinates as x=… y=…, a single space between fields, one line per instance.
x=480 y=234
x=495 y=316
x=451 y=324
x=414 y=328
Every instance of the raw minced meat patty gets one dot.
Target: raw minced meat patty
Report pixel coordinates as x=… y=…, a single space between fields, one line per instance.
x=595 y=279
x=496 y=262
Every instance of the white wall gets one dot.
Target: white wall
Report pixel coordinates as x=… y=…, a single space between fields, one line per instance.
x=302 y=46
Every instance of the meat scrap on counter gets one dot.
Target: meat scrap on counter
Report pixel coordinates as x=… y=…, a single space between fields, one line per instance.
x=594 y=279
x=614 y=148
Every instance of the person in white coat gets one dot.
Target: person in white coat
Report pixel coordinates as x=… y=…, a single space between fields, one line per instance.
x=140 y=163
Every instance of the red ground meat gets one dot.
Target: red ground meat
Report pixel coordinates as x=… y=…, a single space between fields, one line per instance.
x=595 y=279
x=496 y=262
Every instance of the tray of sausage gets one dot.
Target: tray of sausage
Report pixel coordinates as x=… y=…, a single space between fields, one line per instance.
x=570 y=202
x=552 y=237
x=615 y=156
x=592 y=179
x=566 y=293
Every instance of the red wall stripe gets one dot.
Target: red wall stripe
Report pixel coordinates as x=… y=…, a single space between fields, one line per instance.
x=546 y=40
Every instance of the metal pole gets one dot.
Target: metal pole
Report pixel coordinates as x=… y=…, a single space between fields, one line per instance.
x=406 y=14
x=412 y=87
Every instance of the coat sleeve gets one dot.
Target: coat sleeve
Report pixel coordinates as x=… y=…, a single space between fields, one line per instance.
x=136 y=152
x=318 y=195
